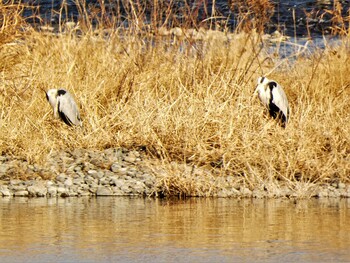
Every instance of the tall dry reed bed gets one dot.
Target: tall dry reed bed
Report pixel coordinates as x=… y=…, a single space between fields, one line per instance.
x=186 y=102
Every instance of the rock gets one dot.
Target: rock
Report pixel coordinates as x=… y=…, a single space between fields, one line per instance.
x=61 y=190
x=104 y=191
x=256 y=193
x=322 y=193
x=68 y=182
x=3 y=169
x=341 y=185
x=61 y=177
x=123 y=171
x=89 y=179
x=4 y=191
x=37 y=190
x=17 y=188
x=115 y=167
x=246 y=192
x=96 y=174
x=129 y=159
x=78 y=181
x=125 y=189
x=223 y=193
x=117 y=191
x=16 y=182
x=21 y=193
x=52 y=191
x=92 y=173
x=138 y=187
x=77 y=169
x=115 y=181
x=49 y=183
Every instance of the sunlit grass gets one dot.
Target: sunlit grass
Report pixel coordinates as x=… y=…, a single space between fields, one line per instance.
x=187 y=101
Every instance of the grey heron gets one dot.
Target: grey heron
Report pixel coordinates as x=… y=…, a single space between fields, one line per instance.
x=274 y=98
x=64 y=106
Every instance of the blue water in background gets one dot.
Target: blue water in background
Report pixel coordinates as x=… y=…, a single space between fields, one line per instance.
x=292 y=18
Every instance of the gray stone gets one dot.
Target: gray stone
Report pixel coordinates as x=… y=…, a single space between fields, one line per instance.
x=117 y=182
x=3 y=169
x=139 y=187
x=78 y=181
x=126 y=189
x=117 y=191
x=84 y=187
x=123 y=171
x=104 y=191
x=52 y=191
x=115 y=167
x=83 y=193
x=341 y=185
x=150 y=182
x=323 y=193
x=49 y=183
x=103 y=181
x=16 y=182
x=246 y=192
x=17 y=188
x=61 y=190
x=334 y=194
x=89 y=179
x=96 y=174
x=256 y=193
x=92 y=172
x=4 y=191
x=129 y=159
x=223 y=193
x=61 y=177
x=68 y=182
x=37 y=190
x=132 y=172
x=21 y=193
x=93 y=190
x=77 y=168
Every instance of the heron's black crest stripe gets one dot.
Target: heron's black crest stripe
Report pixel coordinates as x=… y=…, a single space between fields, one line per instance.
x=272 y=85
x=47 y=97
x=61 y=92
x=64 y=117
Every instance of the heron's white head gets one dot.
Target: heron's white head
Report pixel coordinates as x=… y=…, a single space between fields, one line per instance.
x=51 y=96
x=261 y=90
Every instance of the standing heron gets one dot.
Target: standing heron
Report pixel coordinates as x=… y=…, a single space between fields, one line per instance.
x=64 y=106
x=274 y=98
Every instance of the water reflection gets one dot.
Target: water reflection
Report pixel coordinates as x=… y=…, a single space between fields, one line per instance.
x=193 y=230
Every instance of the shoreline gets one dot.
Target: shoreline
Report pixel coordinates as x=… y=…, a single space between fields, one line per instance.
x=122 y=172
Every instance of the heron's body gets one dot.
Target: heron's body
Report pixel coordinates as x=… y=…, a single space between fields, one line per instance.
x=64 y=106
x=274 y=98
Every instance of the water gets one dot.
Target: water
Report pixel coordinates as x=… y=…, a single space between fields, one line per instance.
x=294 y=18
x=194 y=230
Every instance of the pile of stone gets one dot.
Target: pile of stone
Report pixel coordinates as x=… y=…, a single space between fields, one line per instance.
x=113 y=172
x=122 y=172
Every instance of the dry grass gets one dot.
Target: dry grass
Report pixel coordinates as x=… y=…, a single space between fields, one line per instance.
x=187 y=102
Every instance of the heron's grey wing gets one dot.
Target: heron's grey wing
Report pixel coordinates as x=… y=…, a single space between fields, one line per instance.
x=68 y=110
x=280 y=100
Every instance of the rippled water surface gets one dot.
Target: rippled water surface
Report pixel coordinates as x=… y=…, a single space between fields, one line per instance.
x=293 y=17
x=194 y=230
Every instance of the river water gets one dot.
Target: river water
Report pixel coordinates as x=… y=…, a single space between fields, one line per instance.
x=293 y=17
x=192 y=230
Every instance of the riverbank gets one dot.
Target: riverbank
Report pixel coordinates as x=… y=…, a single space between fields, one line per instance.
x=122 y=172
x=182 y=98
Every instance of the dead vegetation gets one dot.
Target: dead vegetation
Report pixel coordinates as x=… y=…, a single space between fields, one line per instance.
x=186 y=101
